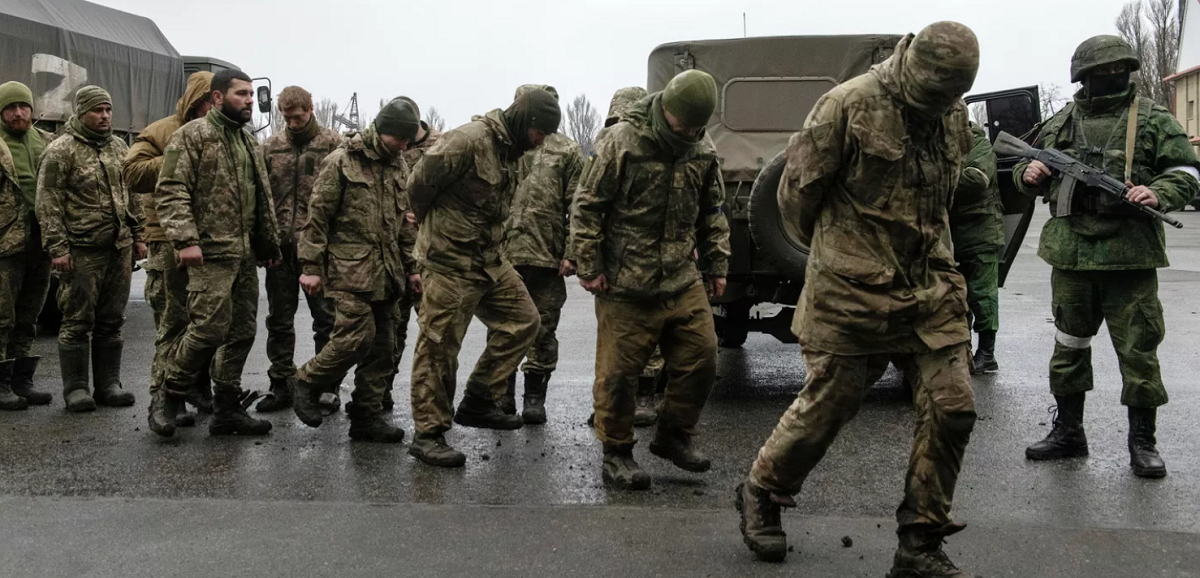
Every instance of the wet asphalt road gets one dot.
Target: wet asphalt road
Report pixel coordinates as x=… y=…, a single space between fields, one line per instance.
x=99 y=495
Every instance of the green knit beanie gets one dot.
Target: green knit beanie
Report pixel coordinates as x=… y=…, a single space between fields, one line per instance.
x=691 y=97
x=90 y=97
x=14 y=92
x=399 y=119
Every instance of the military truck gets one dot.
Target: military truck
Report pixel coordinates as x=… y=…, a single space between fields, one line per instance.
x=766 y=88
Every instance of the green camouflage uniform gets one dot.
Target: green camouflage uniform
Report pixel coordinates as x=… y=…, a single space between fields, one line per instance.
x=642 y=209
x=461 y=191
x=410 y=301
x=353 y=242
x=977 y=230
x=293 y=161
x=1104 y=256
x=212 y=192
x=871 y=193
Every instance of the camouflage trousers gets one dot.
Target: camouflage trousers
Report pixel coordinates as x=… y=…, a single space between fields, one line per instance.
x=982 y=271
x=92 y=297
x=447 y=306
x=834 y=388
x=283 y=296
x=363 y=336
x=222 y=306
x=626 y=337
x=166 y=293
x=1128 y=302
x=24 y=283
x=655 y=365
x=548 y=290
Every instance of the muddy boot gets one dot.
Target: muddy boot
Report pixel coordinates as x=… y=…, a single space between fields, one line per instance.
x=185 y=418
x=476 y=411
x=645 y=413
x=533 y=410
x=761 y=525
x=620 y=470
x=106 y=376
x=675 y=445
x=1067 y=439
x=330 y=402
x=985 y=357
x=305 y=403
x=22 y=381
x=1143 y=455
x=369 y=426
x=922 y=557
x=200 y=395
x=432 y=449
x=164 y=409
x=230 y=418
x=280 y=398
x=74 y=360
x=9 y=401
x=508 y=401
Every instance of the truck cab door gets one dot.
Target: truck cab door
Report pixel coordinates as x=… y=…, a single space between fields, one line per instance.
x=1017 y=112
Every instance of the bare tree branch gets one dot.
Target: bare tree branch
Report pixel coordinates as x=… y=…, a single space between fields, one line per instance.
x=583 y=122
x=434 y=119
x=1052 y=98
x=324 y=110
x=1151 y=27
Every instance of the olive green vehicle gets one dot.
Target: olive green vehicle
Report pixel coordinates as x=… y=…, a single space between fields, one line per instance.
x=766 y=88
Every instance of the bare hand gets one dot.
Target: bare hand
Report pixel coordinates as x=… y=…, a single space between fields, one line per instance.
x=1142 y=195
x=595 y=286
x=415 y=285
x=63 y=264
x=566 y=268
x=311 y=284
x=1036 y=173
x=139 y=251
x=410 y=218
x=191 y=257
x=715 y=287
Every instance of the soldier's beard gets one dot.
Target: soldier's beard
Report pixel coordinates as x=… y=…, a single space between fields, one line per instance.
x=18 y=126
x=240 y=115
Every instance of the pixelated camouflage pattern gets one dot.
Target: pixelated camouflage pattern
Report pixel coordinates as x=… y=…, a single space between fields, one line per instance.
x=977 y=214
x=1101 y=50
x=623 y=99
x=82 y=200
x=535 y=232
x=166 y=293
x=982 y=272
x=14 y=228
x=93 y=295
x=293 y=171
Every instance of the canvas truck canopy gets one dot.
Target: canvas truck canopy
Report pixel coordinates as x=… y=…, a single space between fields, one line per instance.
x=57 y=46
x=766 y=86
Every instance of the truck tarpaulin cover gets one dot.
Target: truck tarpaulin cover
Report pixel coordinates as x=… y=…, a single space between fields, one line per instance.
x=58 y=46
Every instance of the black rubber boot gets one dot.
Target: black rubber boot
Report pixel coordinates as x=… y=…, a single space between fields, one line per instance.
x=74 y=360
x=1143 y=455
x=369 y=426
x=305 y=404
x=476 y=411
x=185 y=418
x=22 y=381
x=432 y=449
x=280 y=398
x=922 y=556
x=1067 y=439
x=164 y=409
x=230 y=418
x=985 y=357
x=761 y=524
x=533 y=410
x=106 y=376
x=508 y=401
x=9 y=401
x=201 y=396
x=675 y=445
x=622 y=471
x=645 y=414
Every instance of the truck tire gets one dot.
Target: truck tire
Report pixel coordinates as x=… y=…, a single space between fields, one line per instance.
x=787 y=253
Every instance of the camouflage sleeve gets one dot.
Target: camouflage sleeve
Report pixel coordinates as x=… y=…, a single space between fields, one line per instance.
x=448 y=162
x=979 y=173
x=323 y=205
x=134 y=215
x=407 y=236
x=1018 y=173
x=814 y=157
x=266 y=230
x=173 y=195
x=51 y=189
x=572 y=170
x=598 y=186
x=712 y=228
x=141 y=167
x=1175 y=163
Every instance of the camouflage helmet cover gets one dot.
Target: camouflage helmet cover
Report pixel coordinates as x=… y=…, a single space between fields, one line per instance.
x=621 y=101
x=1101 y=50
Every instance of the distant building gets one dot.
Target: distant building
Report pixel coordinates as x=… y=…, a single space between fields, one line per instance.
x=1187 y=80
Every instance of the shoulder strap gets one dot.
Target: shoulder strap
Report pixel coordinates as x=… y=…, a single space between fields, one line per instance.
x=1132 y=121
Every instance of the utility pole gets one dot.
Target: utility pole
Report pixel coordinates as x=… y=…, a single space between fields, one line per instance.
x=743 y=25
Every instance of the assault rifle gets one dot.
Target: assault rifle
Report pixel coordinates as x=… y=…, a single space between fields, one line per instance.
x=1074 y=172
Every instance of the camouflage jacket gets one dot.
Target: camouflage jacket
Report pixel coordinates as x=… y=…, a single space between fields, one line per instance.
x=460 y=192
x=641 y=215
x=977 y=216
x=13 y=227
x=292 y=171
x=535 y=233
x=353 y=237
x=200 y=198
x=1110 y=237
x=872 y=198
x=412 y=156
x=82 y=200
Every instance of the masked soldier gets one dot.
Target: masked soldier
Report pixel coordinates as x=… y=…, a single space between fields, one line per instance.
x=351 y=248
x=214 y=202
x=166 y=282
x=294 y=157
x=650 y=198
x=460 y=192
x=24 y=266
x=90 y=229
x=868 y=185
x=535 y=243
x=977 y=229
x=1104 y=254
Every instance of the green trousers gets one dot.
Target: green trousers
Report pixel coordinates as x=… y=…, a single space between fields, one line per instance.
x=982 y=271
x=283 y=296
x=362 y=336
x=548 y=290
x=92 y=297
x=24 y=283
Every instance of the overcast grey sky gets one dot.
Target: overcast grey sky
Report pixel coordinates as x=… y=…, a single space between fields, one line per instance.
x=467 y=57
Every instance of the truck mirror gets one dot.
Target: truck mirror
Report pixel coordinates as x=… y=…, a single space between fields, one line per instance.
x=264 y=99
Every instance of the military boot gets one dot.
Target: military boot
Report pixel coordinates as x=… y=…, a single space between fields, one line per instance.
x=185 y=418
x=230 y=418
x=985 y=356
x=621 y=470
x=475 y=410
x=9 y=400
x=1067 y=438
x=74 y=360
x=432 y=449
x=367 y=425
x=675 y=445
x=329 y=401
x=22 y=381
x=280 y=398
x=164 y=410
x=305 y=403
x=921 y=557
x=106 y=376
x=200 y=396
x=508 y=401
x=761 y=525
x=1143 y=455
x=645 y=413
x=533 y=410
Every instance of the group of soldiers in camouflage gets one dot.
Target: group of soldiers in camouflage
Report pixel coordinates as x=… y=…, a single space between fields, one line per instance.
x=893 y=189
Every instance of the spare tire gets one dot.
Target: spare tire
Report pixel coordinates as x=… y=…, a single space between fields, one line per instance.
x=785 y=251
